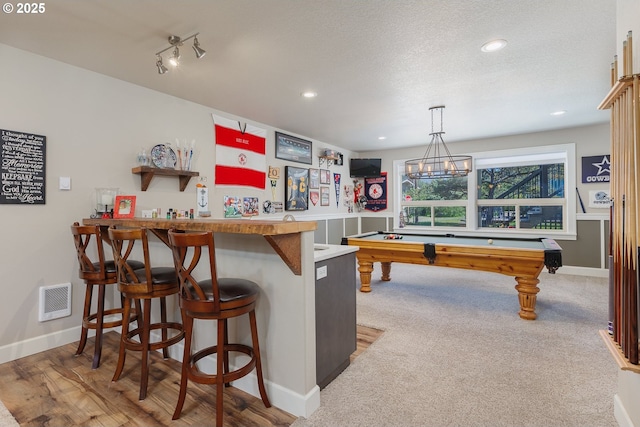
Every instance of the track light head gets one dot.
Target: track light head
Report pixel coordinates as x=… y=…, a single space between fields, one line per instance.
x=161 y=68
x=197 y=49
x=175 y=59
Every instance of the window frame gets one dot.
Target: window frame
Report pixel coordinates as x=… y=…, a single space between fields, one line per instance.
x=558 y=153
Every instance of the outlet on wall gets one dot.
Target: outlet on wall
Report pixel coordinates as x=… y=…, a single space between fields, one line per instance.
x=321 y=272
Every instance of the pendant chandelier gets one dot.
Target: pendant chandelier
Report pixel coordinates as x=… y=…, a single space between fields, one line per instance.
x=437 y=161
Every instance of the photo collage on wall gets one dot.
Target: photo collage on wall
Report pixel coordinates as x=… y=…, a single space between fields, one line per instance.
x=303 y=186
x=240 y=207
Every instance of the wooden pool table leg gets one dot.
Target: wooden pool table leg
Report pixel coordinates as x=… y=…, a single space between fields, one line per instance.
x=527 y=294
x=365 y=268
x=386 y=271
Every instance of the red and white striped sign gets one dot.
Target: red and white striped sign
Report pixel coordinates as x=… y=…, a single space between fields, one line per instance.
x=240 y=154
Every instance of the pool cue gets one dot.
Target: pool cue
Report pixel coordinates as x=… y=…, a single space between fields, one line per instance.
x=632 y=283
x=634 y=121
x=619 y=224
x=611 y=275
x=580 y=200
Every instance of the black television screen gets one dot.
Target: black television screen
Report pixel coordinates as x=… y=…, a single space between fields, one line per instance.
x=365 y=168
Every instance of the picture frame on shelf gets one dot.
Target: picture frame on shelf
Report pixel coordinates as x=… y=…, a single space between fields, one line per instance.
x=296 y=189
x=124 y=207
x=293 y=149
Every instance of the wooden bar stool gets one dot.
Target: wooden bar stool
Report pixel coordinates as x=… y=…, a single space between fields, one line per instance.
x=143 y=285
x=96 y=271
x=213 y=299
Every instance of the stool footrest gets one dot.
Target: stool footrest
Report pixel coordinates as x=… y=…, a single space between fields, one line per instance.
x=132 y=344
x=200 y=377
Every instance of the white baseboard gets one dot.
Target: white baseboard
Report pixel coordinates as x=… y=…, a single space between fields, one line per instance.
x=620 y=413
x=35 y=345
x=281 y=397
x=584 y=271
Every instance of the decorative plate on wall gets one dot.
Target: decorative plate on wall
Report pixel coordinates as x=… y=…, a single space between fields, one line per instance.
x=163 y=156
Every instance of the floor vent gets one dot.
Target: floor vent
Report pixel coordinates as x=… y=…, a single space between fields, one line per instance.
x=55 y=302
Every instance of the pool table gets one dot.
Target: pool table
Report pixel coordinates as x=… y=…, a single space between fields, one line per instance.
x=522 y=258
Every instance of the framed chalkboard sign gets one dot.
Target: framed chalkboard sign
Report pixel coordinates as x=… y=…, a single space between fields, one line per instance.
x=22 y=168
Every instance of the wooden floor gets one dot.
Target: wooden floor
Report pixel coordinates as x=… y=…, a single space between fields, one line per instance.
x=55 y=388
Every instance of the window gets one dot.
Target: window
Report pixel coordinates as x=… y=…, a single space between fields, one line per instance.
x=435 y=202
x=524 y=191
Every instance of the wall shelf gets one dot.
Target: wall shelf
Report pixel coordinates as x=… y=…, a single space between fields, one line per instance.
x=147 y=173
x=329 y=159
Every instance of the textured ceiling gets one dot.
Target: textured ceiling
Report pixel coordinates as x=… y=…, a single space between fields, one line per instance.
x=377 y=66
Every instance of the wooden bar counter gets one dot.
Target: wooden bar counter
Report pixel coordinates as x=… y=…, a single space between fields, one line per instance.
x=283 y=236
x=255 y=250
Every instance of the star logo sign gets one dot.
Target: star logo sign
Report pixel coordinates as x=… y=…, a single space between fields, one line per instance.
x=242 y=159
x=603 y=166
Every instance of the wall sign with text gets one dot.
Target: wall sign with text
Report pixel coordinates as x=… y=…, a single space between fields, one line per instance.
x=22 y=168
x=596 y=169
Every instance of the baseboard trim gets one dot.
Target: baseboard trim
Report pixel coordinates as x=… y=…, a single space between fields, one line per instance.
x=620 y=413
x=584 y=271
x=35 y=345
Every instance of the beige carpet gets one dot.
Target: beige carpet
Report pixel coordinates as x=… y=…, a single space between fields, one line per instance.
x=6 y=419
x=455 y=353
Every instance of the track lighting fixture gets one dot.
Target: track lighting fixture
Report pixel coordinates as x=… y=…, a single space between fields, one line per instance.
x=175 y=42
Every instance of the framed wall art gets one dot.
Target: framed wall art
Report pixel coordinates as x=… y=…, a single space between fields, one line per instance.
x=324 y=196
x=124 y=207
x=297 y=189
x=314 y=178
x=325 y=176
x=293 y=149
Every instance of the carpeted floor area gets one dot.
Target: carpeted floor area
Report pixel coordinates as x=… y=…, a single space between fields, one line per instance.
x=6 y=419
x=456 y=353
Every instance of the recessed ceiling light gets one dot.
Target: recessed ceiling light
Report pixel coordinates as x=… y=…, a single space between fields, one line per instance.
x=558 y=113
x=382 y=137
x=309 y=94
x=493 y=45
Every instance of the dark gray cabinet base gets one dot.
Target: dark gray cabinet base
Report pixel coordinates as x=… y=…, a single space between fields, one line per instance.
x=335 y=317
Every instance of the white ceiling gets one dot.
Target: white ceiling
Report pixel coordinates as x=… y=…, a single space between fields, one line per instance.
x=377 y=65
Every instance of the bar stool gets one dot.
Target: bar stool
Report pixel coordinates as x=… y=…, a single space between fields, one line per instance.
x=143 y=285
x=98 y=273
x=213 y=299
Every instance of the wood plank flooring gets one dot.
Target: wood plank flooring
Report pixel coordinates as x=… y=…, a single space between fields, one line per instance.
x=55 y=388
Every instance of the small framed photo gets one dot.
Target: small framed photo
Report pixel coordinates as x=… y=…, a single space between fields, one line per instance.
x=293 y=149
x=324 y=196
x=297 y=189
x=314 y=178
x=125 y=207
x=325 y=176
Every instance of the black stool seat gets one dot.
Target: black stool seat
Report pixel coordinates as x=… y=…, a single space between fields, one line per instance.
x=230 y=289
x=110 y=266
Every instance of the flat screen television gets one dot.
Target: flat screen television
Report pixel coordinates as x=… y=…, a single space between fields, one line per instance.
x=365 y=168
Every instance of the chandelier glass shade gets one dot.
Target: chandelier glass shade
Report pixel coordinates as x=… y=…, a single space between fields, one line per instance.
x=437 y=161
